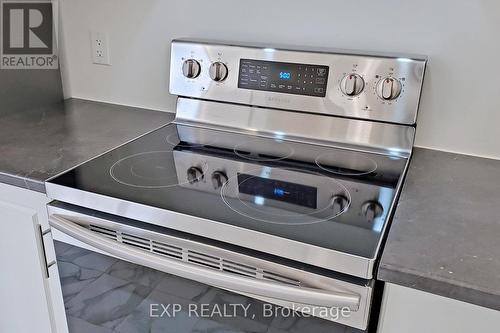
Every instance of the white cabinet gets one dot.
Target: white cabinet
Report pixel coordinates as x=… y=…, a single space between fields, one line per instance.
x=30 y=290
x=413 y=311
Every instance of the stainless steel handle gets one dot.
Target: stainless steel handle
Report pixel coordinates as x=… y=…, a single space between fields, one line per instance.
x=44 y=254
x=302 y=295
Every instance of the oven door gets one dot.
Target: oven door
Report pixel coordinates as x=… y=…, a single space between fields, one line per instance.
x=310 y=295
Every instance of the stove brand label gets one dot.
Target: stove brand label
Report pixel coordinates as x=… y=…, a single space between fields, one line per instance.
x=277 y=99
x=28 y=38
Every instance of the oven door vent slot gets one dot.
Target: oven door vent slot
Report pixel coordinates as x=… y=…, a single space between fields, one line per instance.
x=136 y=241
x=188 y=255
x=166 y=249
x=103 y=231
x=279 y=278
x=237 y=268
x=203 y=259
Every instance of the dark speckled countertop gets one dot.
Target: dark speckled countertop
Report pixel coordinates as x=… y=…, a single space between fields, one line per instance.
x=40 y=143
x=445 y=235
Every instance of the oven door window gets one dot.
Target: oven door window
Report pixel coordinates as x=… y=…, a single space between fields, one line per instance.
x=106 y=292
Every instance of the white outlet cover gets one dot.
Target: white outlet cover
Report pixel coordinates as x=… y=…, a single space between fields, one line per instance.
x=100 y=48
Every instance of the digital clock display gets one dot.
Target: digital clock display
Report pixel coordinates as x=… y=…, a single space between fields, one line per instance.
x=285 y=75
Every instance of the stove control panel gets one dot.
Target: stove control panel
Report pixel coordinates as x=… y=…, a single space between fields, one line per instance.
x=288 y=78
x=356 y=85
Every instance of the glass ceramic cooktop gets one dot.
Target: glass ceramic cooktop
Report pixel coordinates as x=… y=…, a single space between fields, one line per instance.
x=328 y=197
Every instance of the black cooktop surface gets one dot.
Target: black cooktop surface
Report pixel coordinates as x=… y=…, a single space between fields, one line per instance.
x=329 y=197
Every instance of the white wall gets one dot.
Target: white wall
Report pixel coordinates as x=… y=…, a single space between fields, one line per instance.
x=460 y=106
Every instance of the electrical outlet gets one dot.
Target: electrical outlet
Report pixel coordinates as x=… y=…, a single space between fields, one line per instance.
x=100 y=48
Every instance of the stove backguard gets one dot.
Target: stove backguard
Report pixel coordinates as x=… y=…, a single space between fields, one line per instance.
x=381 y=87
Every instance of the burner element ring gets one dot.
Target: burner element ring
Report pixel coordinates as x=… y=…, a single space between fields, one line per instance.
x=346 y=163
x=146 y=170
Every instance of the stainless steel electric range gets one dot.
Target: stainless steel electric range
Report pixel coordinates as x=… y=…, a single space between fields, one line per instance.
x=277 y=179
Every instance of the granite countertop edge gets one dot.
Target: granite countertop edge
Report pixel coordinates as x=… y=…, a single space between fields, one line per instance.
x=22 y=181
x=444 y=234
x=439 y=286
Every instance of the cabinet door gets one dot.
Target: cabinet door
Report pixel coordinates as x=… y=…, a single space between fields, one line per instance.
x=413 y=311
x=30 y=290
x=23 y=296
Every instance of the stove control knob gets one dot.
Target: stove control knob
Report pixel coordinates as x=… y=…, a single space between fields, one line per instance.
x=218 y=71
x=194 y=175
x=218 y=179
x=191 y=68
x=371 y=210
x=339 y=203
x=389 y=88
x=352 y=84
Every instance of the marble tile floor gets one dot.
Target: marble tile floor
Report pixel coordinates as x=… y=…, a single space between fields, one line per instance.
x=104 y=294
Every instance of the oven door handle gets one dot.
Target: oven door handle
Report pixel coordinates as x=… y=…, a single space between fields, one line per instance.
x=234 y=282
